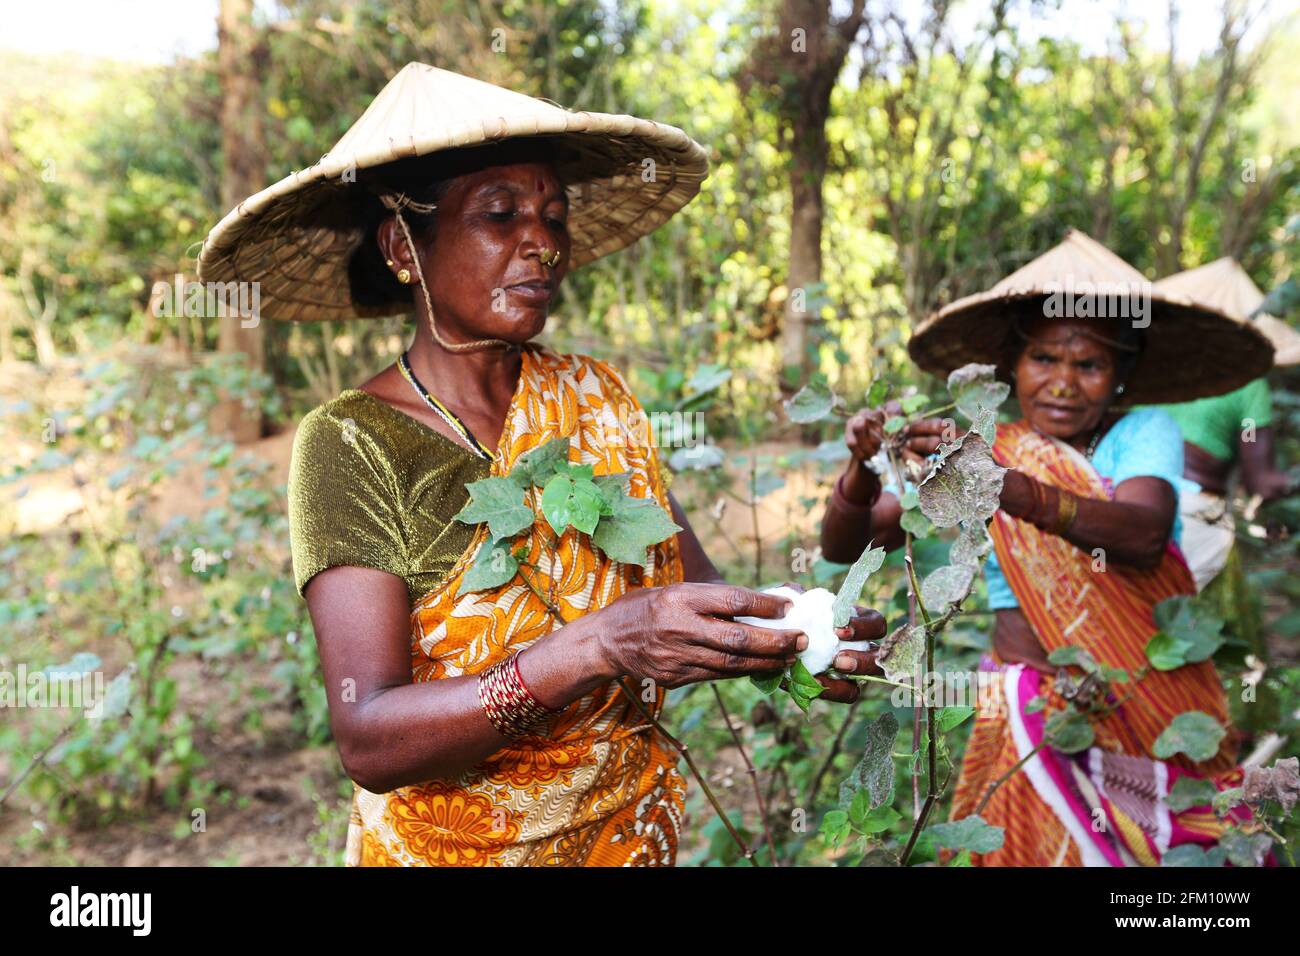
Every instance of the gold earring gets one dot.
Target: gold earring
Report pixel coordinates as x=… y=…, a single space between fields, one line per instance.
x=404 y=276
x=389 y=263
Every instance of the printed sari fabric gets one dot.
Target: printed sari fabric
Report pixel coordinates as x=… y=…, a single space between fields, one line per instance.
x=594 y=786
x=1103 y=806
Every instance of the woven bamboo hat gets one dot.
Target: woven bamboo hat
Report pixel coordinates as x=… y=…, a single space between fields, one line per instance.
x=1191 y=349
x=625 y=177
x=1224 y=285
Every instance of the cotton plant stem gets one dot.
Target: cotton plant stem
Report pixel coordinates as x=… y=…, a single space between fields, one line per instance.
x=40 y=759
x=749 y=768
x=682 y=749
x=911 y=619
x=931 y=794
x=815 y=788
x=677 y=745
x=1008 y=775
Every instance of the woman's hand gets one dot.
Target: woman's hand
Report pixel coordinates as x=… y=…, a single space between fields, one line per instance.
x=922 y=438
x=864 y=432
x=865 y=625
x=680 y=634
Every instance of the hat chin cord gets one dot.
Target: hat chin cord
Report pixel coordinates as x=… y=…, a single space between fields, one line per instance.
x=396 y=204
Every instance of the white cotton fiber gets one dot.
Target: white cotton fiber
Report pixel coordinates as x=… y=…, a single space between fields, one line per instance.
x=812 y=613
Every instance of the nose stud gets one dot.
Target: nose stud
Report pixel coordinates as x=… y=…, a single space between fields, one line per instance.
x=550 y=257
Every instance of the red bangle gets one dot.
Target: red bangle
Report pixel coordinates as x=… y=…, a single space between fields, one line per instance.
x=852 y=507
x=510 y=706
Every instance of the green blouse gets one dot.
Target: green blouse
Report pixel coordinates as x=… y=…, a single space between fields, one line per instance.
x=1215 y=423
x=372 y=487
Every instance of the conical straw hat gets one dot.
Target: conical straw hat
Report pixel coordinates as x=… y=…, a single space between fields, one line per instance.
x=1191 y=350
x=295 y=238
x=1224 y=285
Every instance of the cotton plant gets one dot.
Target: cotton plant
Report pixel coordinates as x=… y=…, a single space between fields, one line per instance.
x=957 y=489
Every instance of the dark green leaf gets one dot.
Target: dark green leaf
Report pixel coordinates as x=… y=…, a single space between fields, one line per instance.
x=499 y=502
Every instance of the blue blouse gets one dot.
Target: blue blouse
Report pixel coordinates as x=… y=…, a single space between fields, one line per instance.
x=1145 y=442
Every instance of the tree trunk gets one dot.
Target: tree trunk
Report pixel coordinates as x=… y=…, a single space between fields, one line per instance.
x=807 y=172
x=808 y=53
x=242 y=174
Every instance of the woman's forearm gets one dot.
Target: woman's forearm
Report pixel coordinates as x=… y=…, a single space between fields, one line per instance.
x=860 y=514
x=411 y=733
x=1130 y=532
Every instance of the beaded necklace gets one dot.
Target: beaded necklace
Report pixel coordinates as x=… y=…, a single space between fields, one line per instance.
x=447 y=415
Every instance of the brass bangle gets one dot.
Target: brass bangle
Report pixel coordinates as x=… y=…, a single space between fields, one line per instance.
x=1067 y=509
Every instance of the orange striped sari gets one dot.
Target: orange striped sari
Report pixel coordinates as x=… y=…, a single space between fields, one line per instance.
x=594 y=787
x=1104 y=807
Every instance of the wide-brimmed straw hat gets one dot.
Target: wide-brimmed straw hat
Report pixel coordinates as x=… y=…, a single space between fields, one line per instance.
x=1224 y=285
x=1190 y=350
x=625 y=177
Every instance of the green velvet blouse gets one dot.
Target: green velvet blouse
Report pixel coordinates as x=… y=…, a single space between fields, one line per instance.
x=372 y=487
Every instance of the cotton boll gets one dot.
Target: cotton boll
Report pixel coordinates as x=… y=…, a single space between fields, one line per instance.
x=811 y=612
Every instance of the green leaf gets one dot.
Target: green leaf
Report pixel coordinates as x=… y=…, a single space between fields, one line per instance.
x=877 y=394
x=913 y=403
x=1190 y=792
x=950 y=717
x=1192 y=732
x=493 y=566
x=916 y=524
x=895 y=424
x=811 y=403
x=707 y=378
x=1189 y=854
x=534 y=468
x=1069 y=731
x=975 y=388
x=874 y=772
x=700 y=457
x=965 y=485
x=1186 y=620
x=573 y=500
x=1166 y=652
x=909 y=500
x=969 y=833
x=499 y=502
x=835 y=827
x=1071 y=656
x=633 y=525
x=763 y=482
x=611 y=487
x=804 y=687
x=1035 y=704
x=868 y=563
x=868 y=820
x=767 y=685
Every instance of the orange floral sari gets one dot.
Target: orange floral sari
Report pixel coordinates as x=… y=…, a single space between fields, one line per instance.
x=594 y=787
x=1105 y=806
